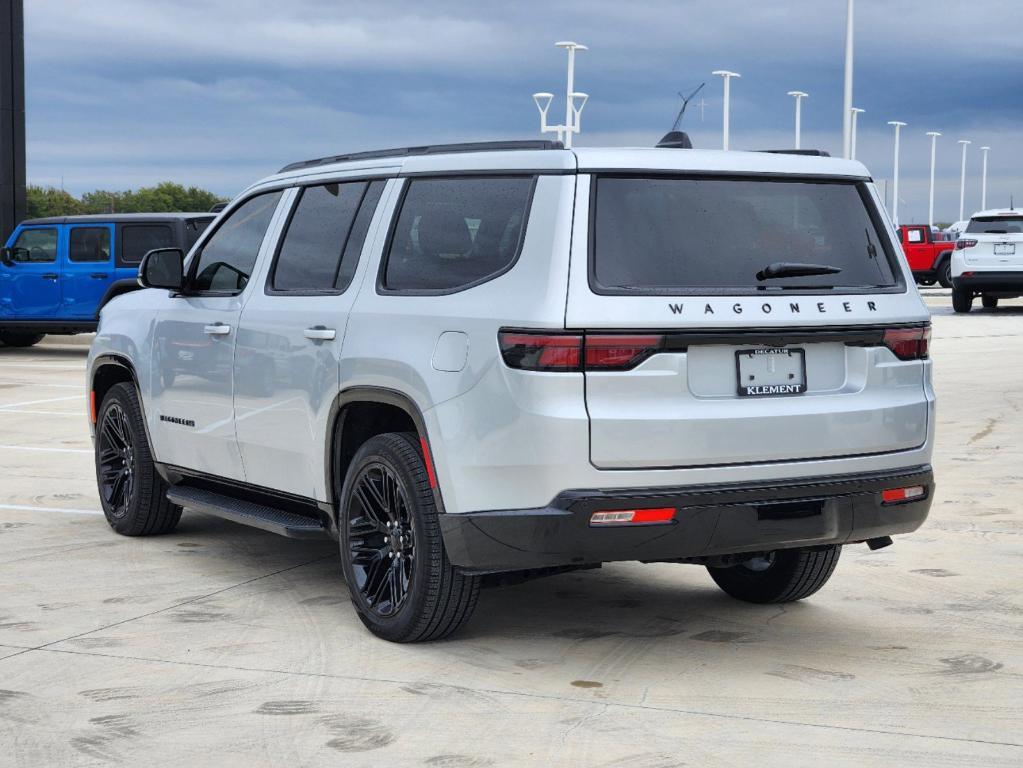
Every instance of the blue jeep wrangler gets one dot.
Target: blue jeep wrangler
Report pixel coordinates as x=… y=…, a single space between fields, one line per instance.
x=57 y=273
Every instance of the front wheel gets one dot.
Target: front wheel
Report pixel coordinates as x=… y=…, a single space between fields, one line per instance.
x=962 y=300
x=989 y=302
x=778 y=577
x=402 y=584
x=15 y=339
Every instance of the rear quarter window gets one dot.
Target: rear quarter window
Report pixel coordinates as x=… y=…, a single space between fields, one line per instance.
x=664 y=235
x=454 y=233
x=138 y=239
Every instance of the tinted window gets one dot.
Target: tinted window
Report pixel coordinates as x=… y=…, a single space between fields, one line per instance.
x=665 y=234
x=452 y=233
x=996 y=225
x=89 y=244
x=35 y=245
x=138 y=239
x=315 y=244
x=227 y=258
x=194 y=228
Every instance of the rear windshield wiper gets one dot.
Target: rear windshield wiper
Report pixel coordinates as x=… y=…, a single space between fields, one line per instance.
x=795 y=269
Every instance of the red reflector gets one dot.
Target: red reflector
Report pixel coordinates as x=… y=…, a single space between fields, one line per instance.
x=92 y=406
x=541 y=351
x=616 y=351
x=908 y=343
x=659 y=515
x=431 y=475
x=895 y=495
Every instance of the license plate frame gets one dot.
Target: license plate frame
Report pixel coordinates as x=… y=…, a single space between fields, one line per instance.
x=1005 y=249
x=761 y=361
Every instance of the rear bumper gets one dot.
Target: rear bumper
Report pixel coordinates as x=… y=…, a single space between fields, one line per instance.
x=993 y=282
x=709 y=521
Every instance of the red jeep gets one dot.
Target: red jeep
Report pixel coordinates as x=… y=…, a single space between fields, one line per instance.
x=928 y=253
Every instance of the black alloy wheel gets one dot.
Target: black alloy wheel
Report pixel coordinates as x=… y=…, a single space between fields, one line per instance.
x=116 y=459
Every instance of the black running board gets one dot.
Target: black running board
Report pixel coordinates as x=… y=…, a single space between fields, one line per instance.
x=271 y=519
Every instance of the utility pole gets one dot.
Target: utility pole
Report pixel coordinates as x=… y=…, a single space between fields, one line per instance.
x=895 y=172
x=847 y=97
x=12 y=116
x=726 y=76
x=983 y=179
x=798 y=96
x=854 y=113
x=962 y=179
x=930 y=205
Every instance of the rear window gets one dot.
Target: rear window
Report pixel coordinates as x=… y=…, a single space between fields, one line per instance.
x=455 y=233
x=996 y=225
x=138 y=239
x=700 y=235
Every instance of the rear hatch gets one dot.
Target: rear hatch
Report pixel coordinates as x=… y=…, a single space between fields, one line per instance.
x=742 y=319
x=994 y=242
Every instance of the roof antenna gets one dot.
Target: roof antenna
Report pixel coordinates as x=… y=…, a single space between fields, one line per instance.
x=676 y=139
x=574 y=101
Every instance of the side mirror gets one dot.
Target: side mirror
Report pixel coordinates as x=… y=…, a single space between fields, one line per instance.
x=6 y=258
x=163 y=268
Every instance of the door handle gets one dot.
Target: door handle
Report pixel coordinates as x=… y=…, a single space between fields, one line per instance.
x=99 y=275
x=217 y=329
x=319 y=333
x=50 y=276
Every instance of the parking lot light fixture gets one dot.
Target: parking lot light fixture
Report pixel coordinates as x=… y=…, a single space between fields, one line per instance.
x=962 y=179
x=930 y=205
x=983 y=179
x=895 y=171
x=726 y=76
x=798 y=96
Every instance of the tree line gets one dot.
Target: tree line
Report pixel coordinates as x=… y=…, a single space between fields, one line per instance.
x=165 y=196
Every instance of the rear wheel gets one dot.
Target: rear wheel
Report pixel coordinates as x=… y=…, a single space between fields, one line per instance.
x=945 y=273
x=15 y=339
x=962 y=300
x=133 y=495
x=779 y=577
x=989 y=302
x=401 y=582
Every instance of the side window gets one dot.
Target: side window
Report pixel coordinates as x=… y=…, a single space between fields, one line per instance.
x=194 y=228
x=321 y=245
x=227 y=258
x=915 y=235
x=89 y=244
x=35 y=245
x=138 y=239
x=456 y=232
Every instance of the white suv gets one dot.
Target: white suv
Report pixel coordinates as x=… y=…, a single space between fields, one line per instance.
x=988 y=260
x=481 y=362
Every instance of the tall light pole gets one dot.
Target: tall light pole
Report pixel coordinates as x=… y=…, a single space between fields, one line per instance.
x=853 y=114
x=573 y=113
x=930 y=205
x=895 y=172
x=798 y=96
x=962 y=180
x=726 y=76
x=847 y=114
x=983 y=180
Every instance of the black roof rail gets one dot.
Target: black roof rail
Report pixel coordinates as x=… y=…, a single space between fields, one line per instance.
x=429 y=149
x=807 y=152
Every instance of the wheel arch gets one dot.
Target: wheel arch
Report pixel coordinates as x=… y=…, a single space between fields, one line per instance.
x=108 y=370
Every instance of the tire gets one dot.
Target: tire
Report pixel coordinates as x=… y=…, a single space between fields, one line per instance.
x=404 y=588
x=133 y=495
x=786 y=575
x=962 y=300
x=945 y=274
x=15 y=339
x=989 y=302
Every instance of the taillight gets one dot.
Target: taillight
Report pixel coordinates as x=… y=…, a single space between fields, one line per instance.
x=549 y=351
x=659 y=516
x=963 y=244
x=908 y=343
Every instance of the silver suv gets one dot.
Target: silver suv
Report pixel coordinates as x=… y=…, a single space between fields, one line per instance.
x=476 y=363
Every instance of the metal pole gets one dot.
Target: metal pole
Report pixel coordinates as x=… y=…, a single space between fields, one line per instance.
x=727 y=76
x=799 y=96
x=962 y=181
x=847 y=98
x=930 y=205
x=12 y=116
x=568 y=97
x=983 y=180
x=895 y=173
x=854 y=112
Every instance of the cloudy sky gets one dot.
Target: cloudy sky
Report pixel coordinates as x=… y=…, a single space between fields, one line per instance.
x=122 y=93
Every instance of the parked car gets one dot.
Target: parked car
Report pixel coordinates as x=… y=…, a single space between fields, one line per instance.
x=953 y=231
x=57 y=273
x=477 y=363
x=988 y=260
x=929 y=254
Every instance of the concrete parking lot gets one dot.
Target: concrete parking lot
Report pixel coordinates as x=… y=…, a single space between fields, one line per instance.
x=221 y=645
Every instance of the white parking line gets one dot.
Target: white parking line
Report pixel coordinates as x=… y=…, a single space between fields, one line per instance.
x=76 y=414
x=39 y=402
x=38 y=384
x=26 y=508
x=44 y=450
x=45 y=366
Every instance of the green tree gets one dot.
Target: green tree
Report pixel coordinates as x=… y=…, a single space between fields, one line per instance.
x=164 y=197
x=50 y=201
